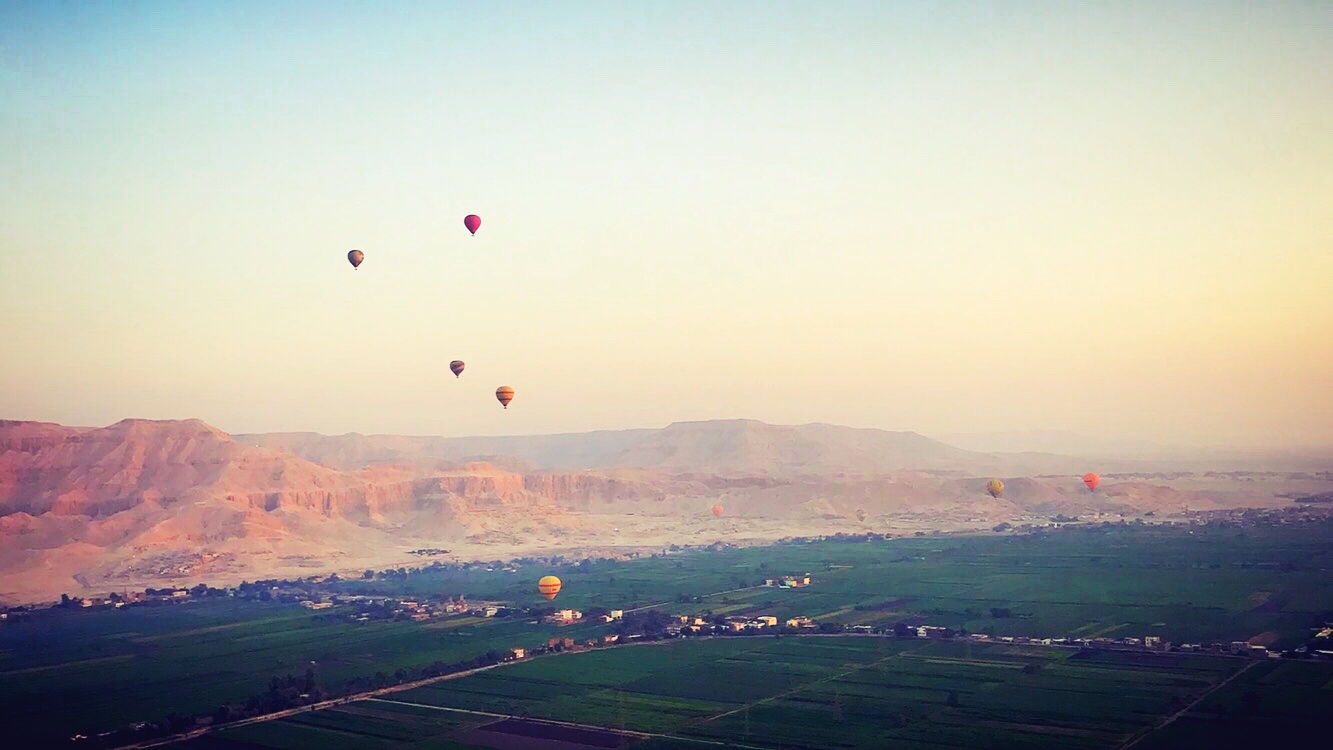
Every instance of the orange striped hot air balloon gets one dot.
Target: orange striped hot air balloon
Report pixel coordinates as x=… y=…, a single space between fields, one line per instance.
x=549 y=586
x=995 y=487
x=1092 y=479
x=504 y=394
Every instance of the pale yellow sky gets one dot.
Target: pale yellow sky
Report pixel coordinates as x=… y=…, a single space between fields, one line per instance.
x=934 y=217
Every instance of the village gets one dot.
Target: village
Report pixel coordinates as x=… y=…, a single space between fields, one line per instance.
x=644 y=623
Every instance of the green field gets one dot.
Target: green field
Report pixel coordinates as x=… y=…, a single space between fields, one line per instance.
x=93 y=671
x=1275 y=704
x=807 y=692
x=96 y=671
x=1199 y=584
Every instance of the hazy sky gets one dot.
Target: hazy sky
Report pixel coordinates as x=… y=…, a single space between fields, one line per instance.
x=1108 y=217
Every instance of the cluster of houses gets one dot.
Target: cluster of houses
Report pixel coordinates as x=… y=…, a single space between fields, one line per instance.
x=788 y=582
x=1146 y=643
x=572 y=616
x=121 y=599
x=564 y=617
x=381 y=608
x=694 y=625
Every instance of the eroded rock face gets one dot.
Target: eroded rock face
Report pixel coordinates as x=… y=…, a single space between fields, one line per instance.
x=103 y=504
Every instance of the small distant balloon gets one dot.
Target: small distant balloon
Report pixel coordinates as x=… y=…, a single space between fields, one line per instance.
x=549 y=586
x=355 y=257
x=861 y=515
x=504 y=394
x=1092 y=480
x=457 y=367
x=472 y=222
x=995 y=487
x=717 y=510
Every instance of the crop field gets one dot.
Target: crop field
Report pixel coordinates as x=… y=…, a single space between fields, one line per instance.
x=95 y=671
x=92 y=671
x=1273 y=704
x=1197 y=584
x=793 y=692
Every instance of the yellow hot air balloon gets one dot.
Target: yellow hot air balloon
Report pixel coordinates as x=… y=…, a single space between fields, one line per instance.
x=549 y=586
x=505 y=394
x=355 y=257
x=995 y=487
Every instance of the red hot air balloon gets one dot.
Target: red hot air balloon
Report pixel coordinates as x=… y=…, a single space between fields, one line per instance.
x=1092 y=480
x=472 y=222
x=717 y=510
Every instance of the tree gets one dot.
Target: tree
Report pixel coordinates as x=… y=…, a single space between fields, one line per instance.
x=902 y=630
x=369 y=574
x=222 y=714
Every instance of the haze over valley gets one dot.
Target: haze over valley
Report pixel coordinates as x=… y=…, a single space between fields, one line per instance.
x=143 y=502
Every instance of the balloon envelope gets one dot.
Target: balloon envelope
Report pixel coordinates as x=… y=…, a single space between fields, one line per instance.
x=995 y=487
x=457 y=367
x=1092 y=479
x=717 y=510
x=505 y=394
x=472 y=222
x=860 y=514
x=355 y=257
x=549 y=586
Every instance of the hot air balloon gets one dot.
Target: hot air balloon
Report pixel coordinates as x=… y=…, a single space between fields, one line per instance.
x=549 y=586
x=472 y=222
x=861 y=515
x=717 y=510
x=1092 y=479
x=355 y=257
x=457 y=367
x=505 y=394
x=995 y=487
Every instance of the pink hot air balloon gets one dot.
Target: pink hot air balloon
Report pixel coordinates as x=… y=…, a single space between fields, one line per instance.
x=472 y=222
